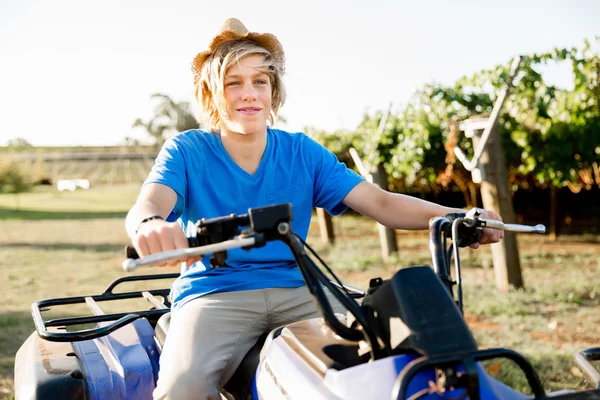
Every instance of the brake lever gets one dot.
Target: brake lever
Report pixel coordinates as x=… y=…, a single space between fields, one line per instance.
x=476 y=213
x=163 y=257
x=492 y=223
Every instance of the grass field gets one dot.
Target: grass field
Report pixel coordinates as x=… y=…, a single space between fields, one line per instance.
x=68 y=244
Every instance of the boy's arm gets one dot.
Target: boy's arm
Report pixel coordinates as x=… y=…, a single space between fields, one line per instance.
x=155 y=235
x=405 y=212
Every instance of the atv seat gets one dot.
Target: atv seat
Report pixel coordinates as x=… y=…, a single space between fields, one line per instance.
x=238 y=386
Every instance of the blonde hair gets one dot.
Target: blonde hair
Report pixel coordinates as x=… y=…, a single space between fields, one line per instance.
x=210 y=84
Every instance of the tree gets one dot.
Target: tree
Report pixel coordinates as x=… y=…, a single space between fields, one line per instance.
x=170 y=117
x=19 y=144
x=14 y=180
x=130 y=141
x=338 y=142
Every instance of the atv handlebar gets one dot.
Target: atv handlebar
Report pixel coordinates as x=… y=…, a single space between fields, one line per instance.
x=159 y=258
x=464 y=230
x=131 y=252
x=467 y=234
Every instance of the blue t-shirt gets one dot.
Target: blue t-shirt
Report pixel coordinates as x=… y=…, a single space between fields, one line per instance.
x=294 y=169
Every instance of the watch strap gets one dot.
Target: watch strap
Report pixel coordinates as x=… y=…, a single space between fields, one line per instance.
x=146 y=220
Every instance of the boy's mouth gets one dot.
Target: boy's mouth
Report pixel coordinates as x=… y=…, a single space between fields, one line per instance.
x=249 y=110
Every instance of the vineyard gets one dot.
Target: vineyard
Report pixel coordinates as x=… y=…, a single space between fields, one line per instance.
x=550 y=139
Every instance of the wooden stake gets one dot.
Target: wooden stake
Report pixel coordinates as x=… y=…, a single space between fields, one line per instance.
x=325 y=226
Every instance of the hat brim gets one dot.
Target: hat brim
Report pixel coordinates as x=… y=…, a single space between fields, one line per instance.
x=267 y=41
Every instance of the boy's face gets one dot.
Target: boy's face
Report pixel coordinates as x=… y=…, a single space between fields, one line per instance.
x=247 y=93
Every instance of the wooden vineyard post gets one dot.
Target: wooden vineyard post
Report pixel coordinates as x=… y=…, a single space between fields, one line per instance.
x=379 y=177
x=387 y=236
x=325 y=226
x=488 y=166
x=496 y=195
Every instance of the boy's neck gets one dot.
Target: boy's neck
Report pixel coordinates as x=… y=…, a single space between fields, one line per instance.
x=245 y=150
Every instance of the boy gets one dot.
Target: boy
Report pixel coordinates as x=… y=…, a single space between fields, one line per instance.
x=237 y=163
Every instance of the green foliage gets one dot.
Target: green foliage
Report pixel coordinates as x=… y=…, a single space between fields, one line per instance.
x=19 y=144
x=551 y=135
x=14 y=180
x=409 y=143
x=338 y=142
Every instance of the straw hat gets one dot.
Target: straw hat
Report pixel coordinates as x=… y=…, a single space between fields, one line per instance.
x=234 y=29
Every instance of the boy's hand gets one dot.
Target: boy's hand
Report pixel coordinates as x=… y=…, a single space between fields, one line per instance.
x=157 y=236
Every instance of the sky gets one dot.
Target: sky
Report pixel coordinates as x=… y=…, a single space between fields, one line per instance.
x=79 y=72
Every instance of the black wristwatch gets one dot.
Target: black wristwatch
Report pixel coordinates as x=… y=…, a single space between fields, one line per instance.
x=146 y=220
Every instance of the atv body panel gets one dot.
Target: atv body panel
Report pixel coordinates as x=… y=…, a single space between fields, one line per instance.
x=120 y=365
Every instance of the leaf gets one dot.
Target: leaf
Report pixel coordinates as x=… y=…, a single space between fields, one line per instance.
x=494 y=369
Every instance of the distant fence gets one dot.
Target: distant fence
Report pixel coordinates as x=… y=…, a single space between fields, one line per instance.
x=96 y=167
x=77 y=156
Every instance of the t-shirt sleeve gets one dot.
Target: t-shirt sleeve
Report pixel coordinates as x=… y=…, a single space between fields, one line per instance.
x=169 y=170
x=332 y=180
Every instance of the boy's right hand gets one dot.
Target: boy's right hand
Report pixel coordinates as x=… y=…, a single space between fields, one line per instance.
x=157 y=236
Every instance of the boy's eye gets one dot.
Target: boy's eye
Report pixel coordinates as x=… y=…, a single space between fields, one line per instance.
x=232 y=83
x=261 y=82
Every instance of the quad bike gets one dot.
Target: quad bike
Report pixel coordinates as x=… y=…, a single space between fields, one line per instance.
x=404 y=338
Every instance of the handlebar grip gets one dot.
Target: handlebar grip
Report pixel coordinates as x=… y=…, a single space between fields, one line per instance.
x=130 y=251
x=467 y=235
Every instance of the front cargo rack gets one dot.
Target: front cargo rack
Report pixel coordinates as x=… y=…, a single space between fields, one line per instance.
x=120 y=319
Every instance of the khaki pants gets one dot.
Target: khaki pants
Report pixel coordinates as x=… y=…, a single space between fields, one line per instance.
x=209 y=336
